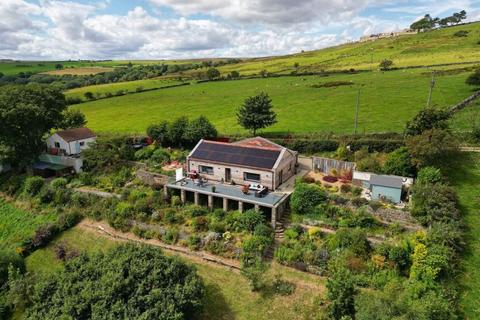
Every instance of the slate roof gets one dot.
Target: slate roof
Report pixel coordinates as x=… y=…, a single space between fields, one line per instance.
x=233 y=154
x=386 y=181
x=76 y=134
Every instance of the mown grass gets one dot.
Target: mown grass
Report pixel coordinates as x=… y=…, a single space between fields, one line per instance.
x=127 y=86
x=388 y=100
x=228 y=294
x=17 y=224
x=464 y=175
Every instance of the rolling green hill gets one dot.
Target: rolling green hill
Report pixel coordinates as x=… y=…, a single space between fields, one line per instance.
x=423 y=49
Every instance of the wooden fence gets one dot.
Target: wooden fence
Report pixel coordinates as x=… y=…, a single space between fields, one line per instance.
x=325 y=165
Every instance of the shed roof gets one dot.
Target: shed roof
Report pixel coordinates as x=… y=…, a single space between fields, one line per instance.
x=241 y=155
x=76 y=134
x=386 y=181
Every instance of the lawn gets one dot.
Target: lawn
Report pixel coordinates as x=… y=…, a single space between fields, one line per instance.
x=388 y=100
x=228 y=295
x=17 y=224
x=464 y=174
x=128 y=86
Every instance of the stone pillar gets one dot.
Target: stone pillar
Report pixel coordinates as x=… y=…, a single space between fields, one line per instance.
x=165 y=192
x=183 y=196
x=210 y=202
x=257 y=207
x=240 y=206
x=225 y=204
x=196 y=198
x=274 y=218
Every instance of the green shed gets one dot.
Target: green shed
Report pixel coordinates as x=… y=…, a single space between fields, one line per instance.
x=386 y=187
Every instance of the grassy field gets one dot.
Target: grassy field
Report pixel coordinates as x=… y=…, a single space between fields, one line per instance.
x=435 y=47
x=228 y=295
x=17 y=224
x=464 y=174
x=80 y=71
x=128 y=86
x=388 y=100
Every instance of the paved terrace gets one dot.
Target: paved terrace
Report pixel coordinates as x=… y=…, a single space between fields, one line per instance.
x=271 y=199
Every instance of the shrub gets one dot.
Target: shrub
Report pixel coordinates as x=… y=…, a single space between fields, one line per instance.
x=176 y=201
x=144 y=153
x=399 y=162
x=196 y=211
x=263 y=230
x=429 y=175
x=375 y=205
x=461 y=33
x=160 y=156
x=474 y=78
x=170 y=215
x=58 y=183
x=306 y=197
x=194 y=242
x=330 y=179
x=359 y=201
x=283 y=287
x=434 y=202
x=354 y=240
x=8 y=258
x=249 y=219
x=217 y=226
x=171 y=236
x=33 y=185
x=200 y=223
x=345 y=188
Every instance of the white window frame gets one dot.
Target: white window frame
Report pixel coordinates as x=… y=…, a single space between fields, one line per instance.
x=205 y=170
x=252 y=180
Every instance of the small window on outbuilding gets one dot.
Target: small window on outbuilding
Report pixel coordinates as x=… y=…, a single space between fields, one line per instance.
x=82 y=143
x=205 y=169
x=57 y=144
x=254 y=177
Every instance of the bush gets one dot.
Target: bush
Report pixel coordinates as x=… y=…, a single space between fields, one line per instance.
x=196 y=211
x=434 y=203
x=474 y=78
x=461 y=33
x=429 y=175
x=283 y=287
x=144 y=153
x=306 y=197
x=345 y=188
x=33 y=185
x=399 y=163
x=176 y=201
x=160 y=156
x=354 y=240
x=8 y=258
x=59 y=183
x=263 y=230
x=200 y=223
x=171 y=236
x=359 y=201
x=249 y=220
x=194 y=242
x=330 y=179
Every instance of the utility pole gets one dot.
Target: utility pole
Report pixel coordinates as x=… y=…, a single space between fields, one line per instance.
x=432 y=84
x=356 y=113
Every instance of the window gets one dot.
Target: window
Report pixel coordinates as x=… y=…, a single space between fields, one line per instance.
x=206 y=170
x=255 y=177
x=82 y=143
x=57 y=144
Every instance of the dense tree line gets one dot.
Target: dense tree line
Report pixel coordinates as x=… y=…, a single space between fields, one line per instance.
x=428 y=23
x=119 y=74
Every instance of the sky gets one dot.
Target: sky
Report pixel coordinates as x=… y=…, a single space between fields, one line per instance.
x=180 y=29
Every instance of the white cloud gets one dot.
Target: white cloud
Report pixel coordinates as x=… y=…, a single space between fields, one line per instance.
x=276 y=12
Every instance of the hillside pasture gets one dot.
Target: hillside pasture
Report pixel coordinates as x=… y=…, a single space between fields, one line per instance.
x=387 y=101
x=423 y=49
x=17 y=224
x=127 y=86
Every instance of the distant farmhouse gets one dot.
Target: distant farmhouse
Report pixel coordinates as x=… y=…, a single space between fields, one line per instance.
x=377 y=36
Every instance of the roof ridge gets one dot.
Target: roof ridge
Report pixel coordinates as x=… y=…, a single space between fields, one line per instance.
x=245 y=146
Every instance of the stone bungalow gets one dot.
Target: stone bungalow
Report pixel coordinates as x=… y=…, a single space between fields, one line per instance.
x=251 y=161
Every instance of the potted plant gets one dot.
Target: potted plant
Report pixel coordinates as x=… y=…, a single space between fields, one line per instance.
x=245 y=189
x=214 y=189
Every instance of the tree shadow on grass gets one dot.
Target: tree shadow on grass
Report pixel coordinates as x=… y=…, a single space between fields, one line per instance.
x=214 y=305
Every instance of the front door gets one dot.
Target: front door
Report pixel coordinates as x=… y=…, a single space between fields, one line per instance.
x=280 y=177
x=228 y=175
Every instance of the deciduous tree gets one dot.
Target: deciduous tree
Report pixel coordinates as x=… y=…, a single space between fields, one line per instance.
x=256 y=113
